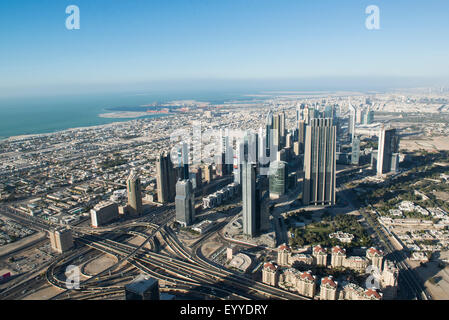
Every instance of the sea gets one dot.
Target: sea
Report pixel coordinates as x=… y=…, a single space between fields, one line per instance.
x=36 y=115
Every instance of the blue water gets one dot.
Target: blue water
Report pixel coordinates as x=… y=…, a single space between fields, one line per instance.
x=19 y=116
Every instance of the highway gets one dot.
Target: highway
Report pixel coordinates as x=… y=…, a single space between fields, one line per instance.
x=184 y=269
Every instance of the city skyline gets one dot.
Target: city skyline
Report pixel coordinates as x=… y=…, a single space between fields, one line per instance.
x=199 y=150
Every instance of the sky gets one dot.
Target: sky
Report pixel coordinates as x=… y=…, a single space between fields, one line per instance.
x=136 y=44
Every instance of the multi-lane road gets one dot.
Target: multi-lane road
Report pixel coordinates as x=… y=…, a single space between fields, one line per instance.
x=182 y=270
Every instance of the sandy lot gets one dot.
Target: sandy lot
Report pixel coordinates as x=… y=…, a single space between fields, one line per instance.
x=100 y=264
x=44 y=294
x=431 y=144
x=439 y=290
x=210 y=247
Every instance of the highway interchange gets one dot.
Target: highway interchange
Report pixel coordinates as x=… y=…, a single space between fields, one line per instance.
x=179 y=269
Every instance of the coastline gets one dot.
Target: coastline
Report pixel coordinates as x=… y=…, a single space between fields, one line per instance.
x=119 y=120
x=123 y=115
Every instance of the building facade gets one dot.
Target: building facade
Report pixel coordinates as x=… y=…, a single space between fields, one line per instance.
x=320 y=163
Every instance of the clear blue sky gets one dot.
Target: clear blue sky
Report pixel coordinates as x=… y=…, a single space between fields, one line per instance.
x=157 y=41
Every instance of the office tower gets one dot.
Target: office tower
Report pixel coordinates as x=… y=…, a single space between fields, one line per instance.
x=395 y=162
x=277 y=138
x=352 y=120
x=250 y=149
x=249 y=198
x=369 y=117
x=180 y=161
x=277 y=179
x=296 y=148
x=288 y=140
x=196 y=177
x=61 y=240
x=319 y=163
x=185 y=161
x=166 y=176
x=282 y=155
x=355 y=152
x=358 y=115
x=103 y=213
x=134 y=194
x=220 y=165
x=208 y=173
x=269 y=134
x=329 y=112
x=388 y=144
x=185 y=203
x=262 y=208
x=238 y=164
x=282 y=129
x=227 y=152
x=301 y=135
x=142 y=288
x=309 y=113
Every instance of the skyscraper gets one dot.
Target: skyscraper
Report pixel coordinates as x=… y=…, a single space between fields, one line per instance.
x=329 y=112
x=249 y=175
x=301 y=135
x=185 y=203
x=368 y=117
x=134 y=194
x=319 y=163
x=277 y=132
x=249 y=198
x=165 y=179
x=355 y=152
x=269 y=134
x=388 y=145
x=352 y=120
x=278 y=179
x=282 y=129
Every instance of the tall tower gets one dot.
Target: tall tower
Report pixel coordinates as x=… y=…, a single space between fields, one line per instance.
x=277 y=132
x=277 y=179
x=320 y=163
x=249 y=175
x=282 y=129
x=165 y=179
x=185 y=202
x=301 y=135
x=269 y=133
x=388 y=145
x=249 y=198
x=355 y=151
x=134 y=194
x=352 y=120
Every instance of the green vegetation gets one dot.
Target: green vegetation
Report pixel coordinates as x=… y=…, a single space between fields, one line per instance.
x=421 y=171
x=318 y=233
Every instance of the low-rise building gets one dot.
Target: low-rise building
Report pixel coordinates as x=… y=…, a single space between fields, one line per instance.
x=270 y=274
x=328 y=288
